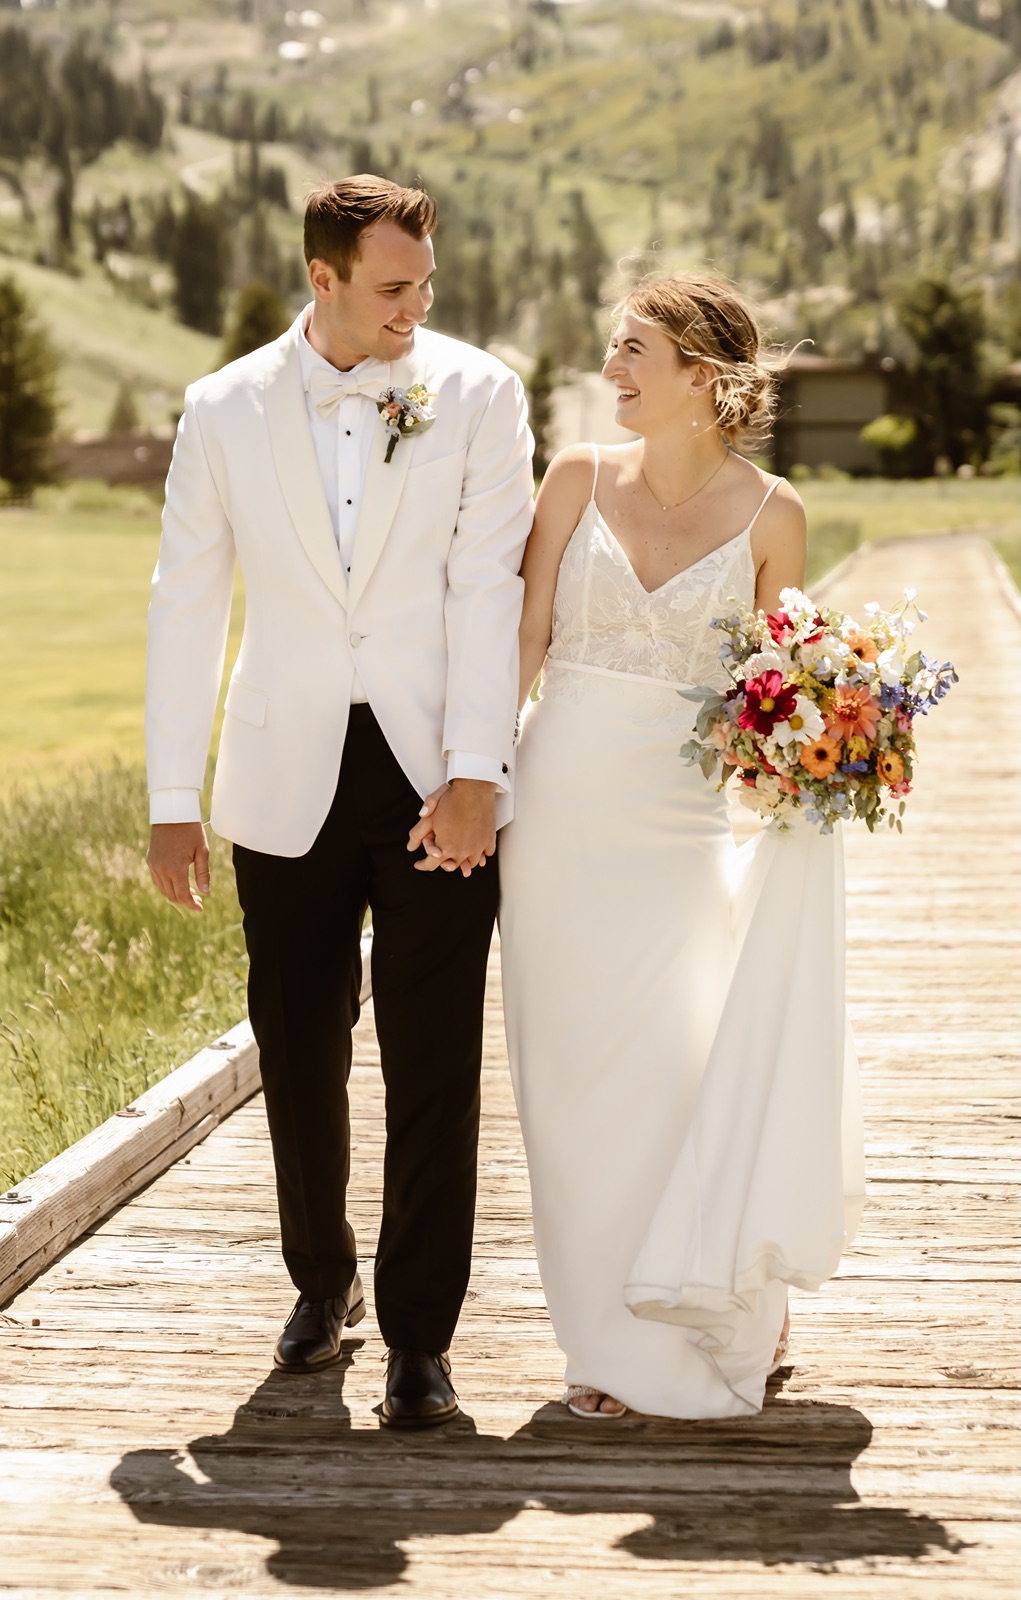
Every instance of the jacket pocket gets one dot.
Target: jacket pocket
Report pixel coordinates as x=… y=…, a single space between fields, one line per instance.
x=247 y=705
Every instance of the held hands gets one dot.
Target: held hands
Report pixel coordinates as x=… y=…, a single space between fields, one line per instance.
x=457 y=827
x=174 y=847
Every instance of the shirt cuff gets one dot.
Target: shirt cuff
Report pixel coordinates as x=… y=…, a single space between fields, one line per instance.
x=174 y=805
x=460 y=764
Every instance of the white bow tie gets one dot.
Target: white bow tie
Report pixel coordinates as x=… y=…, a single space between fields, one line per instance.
x=328 y=389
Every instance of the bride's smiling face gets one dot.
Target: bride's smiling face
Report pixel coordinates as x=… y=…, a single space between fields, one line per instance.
x=655 y=389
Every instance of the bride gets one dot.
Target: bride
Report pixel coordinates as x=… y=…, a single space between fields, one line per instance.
x=674 y=1006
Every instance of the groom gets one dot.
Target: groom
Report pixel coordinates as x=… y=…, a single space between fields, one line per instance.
x=380 y=554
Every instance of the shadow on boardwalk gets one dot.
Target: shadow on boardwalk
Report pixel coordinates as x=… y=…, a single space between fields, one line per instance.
x=341 y=1502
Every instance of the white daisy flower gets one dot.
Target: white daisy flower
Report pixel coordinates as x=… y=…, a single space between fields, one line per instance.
x=804 y=724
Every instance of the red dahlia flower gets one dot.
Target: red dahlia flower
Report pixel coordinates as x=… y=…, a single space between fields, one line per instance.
x=767 y=702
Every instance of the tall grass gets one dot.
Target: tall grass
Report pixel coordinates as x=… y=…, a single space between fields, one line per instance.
x=104 y=987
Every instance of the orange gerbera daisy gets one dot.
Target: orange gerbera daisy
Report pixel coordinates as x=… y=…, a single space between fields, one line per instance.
x=862 y=646
x=852 y=711
x=820 y=756
x=890 y=767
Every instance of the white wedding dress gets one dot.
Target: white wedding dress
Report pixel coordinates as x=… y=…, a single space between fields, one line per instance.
x=674 y=1006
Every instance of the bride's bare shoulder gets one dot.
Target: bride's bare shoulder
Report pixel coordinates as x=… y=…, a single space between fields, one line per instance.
x=783 y=514
x=575 y=464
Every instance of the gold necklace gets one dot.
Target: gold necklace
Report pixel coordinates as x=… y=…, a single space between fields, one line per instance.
x=687 y=497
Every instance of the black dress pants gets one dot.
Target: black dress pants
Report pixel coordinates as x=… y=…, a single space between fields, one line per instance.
x=431 y=937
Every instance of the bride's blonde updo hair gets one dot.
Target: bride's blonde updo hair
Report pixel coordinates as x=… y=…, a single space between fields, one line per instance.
x=709 y=321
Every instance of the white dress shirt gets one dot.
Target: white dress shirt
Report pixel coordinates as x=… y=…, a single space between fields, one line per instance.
x=342 y=438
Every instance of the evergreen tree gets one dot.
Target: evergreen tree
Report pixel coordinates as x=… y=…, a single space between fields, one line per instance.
x=540 y=410
x=588 y=259
x=772 y=155
x=28 y=403
x=198 y=261
x=124 y=417
x=946 y=328
x=869 y=19
x=260 y=316
x=485 y=298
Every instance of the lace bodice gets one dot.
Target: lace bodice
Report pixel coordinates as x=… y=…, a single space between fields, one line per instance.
x=603 y=617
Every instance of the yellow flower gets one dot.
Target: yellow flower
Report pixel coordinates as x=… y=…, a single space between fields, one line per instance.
x=857 y=748
x=890 y=767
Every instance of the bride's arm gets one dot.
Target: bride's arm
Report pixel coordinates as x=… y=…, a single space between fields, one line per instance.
x=779 y=547
x=562 y=499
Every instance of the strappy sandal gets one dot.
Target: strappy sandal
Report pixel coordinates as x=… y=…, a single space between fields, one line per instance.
x=575 y=1390
x=780 y=1358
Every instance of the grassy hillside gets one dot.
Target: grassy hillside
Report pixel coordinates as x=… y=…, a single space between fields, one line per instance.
x=819 y=156
x=104 y=339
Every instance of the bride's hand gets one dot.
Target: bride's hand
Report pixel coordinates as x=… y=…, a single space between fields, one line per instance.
x=422 y=834
x=423 y=837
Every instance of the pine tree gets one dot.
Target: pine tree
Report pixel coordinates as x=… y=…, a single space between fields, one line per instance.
x=28 y=403
x=947 y=328
x=259 y=317
x=124 y=417
x=485 y=298
x=540 y=410
x=588 y=258
x=198 y=260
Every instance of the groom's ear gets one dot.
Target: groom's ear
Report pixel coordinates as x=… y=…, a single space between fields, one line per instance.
x=323 y=278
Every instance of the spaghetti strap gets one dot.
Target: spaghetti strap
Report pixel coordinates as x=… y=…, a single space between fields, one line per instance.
x=762 y=502
x=595 y=472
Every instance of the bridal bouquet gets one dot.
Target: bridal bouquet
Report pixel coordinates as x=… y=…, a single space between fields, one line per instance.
x=820 y=711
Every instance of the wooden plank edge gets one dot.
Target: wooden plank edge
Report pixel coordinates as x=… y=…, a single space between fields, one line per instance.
x=59 y=1202
x=1006 y=582
x=52 y=1207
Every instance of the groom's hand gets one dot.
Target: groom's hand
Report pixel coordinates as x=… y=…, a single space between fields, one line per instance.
x=458 y=827
x=174 y=848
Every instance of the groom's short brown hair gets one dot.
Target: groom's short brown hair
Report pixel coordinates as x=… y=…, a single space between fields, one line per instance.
x=337 y=214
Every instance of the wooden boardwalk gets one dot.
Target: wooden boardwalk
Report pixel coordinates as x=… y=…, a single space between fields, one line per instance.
x=148 y=1448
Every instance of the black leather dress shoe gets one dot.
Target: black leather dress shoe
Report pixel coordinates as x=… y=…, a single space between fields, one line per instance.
x=314 y=1330
x=419 y=1393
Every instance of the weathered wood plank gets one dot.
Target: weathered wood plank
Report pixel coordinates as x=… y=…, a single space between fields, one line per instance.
x=56 y=1204
x=142 y=1420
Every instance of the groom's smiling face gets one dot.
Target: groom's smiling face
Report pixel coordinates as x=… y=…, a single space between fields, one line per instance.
x=376 y=311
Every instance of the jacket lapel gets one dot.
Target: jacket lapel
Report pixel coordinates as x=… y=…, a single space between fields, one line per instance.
x=296 y=465
x=381 y=490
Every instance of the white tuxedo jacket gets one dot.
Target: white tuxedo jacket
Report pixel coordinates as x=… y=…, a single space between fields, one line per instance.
x=430 y=610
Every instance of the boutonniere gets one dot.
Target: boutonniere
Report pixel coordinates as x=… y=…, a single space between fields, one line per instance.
x=404 y=412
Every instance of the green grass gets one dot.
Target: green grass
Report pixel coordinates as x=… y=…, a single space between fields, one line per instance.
x=845 y=513
x=104 y=987
x=72 y=646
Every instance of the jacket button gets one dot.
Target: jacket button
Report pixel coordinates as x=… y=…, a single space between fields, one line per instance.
x=505 y=768
x=354 y=640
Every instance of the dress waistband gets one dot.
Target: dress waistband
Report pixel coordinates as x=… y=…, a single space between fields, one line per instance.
x=627 y=677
